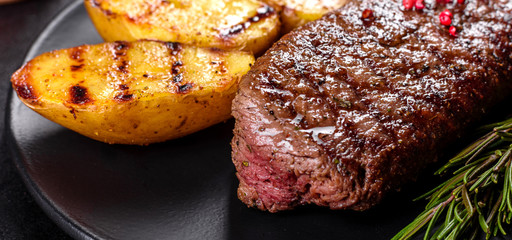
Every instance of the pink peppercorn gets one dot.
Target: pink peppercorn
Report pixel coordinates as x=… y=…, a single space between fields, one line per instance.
x=453 y=31
x=447 y=13
x=445 y=20
x=367 y=14
x=445 y=17
x=419 y=5
x=408 y=4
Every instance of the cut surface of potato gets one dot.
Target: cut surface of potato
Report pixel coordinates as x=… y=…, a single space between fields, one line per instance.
x=248 y=25
x=295 y=13
x=133 y=92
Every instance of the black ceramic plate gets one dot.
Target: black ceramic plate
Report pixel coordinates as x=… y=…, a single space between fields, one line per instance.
x=181 y=189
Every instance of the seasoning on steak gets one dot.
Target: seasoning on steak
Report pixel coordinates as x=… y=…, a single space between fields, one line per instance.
x=349 y=107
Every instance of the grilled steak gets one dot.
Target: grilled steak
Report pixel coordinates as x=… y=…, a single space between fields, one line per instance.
x=351 y=106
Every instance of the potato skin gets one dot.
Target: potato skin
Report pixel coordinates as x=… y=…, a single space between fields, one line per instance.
x=247 y=25
x=133 y=93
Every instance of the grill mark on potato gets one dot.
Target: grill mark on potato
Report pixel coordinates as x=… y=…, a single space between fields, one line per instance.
x=262 y=13
x=147 y=10
x=215 y=50
x=174 y=47
x=123 y=67
x=178 y=78
x=176 y=67
x=25 y=91
x=79 y=95
x=120 y=48
x=76 y=54
x=75 y=68
x=185 y=88
x=123 y=97
x=97 y=4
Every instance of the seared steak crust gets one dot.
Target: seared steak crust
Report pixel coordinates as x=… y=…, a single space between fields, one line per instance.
x=346 y=108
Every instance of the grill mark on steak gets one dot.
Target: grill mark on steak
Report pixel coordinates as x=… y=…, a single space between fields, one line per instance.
x=300 y=71
x=404 y=87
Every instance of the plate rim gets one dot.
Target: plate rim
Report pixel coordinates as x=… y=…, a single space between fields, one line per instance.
x=68 y=225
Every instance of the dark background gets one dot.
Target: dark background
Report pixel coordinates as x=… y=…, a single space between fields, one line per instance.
x=20 y=24
x=20 y=216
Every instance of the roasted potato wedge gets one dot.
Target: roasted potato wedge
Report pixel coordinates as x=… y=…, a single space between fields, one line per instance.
x=133 y=93
x=247 y=25
x=298 y=12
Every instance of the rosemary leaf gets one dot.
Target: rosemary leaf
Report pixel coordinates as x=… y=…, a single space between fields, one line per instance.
x=477 y=197
x=467 y=201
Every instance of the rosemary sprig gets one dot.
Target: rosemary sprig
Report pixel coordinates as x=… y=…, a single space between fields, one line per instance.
x=477 y=196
